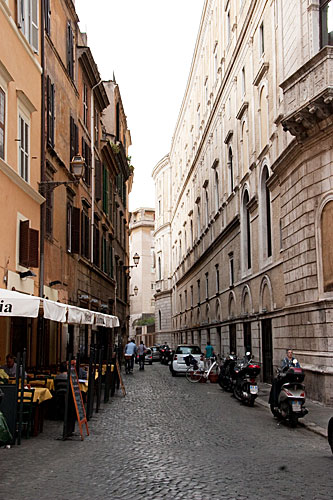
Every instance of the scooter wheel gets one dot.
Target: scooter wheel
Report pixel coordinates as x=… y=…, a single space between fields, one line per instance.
x=330 y=433
x=274 y=412
x=251 y=401
x=293 y=419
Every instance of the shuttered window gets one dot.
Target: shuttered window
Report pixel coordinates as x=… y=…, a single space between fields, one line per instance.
x=24 y=148
x=47 y=12
x=50 y=111
x=96 y=246
x=98 y=180
x=105 y=190
x=74 y=139
x=111 y=266
x=2 y=123
x=73 y=228
x=70 y=50
x=28 y=248
x=28 y=20
x=85 y=235
x=86 y=153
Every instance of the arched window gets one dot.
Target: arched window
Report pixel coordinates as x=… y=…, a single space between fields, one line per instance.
x=326 y=246
x=217 y=194
x=246 y=232
x=263 y=118
x=231 y=170
x=266 y=214
x=159 y=269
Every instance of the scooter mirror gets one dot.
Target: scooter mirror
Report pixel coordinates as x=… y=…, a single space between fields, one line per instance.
x=247 y=353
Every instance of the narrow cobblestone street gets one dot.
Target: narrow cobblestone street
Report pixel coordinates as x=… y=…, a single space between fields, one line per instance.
x=171 y=439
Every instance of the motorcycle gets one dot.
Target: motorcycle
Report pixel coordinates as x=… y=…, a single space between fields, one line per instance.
x=246 y=387
x=291 y=398
x=330 y=433
x=227 y=374
x=165 y=354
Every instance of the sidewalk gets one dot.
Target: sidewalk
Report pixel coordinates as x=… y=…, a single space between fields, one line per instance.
x=317 y=418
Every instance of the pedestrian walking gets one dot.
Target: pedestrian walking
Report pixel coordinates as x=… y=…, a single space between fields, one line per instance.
x=142 y=353
x=130 y=352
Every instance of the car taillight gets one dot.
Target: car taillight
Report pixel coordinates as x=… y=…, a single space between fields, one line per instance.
x=175 y=357
x=302 y=394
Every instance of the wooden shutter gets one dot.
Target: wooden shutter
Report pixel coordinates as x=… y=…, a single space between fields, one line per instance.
x=98 y=180
x=70 y=50
x=75 y=230
x=2 y=123
x=29 y=242
x=47 y=17
x=50 y=111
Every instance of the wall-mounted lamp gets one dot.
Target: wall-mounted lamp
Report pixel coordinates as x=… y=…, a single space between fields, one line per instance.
x=136 y=259
x=135 y=290
x=26 y=274
x=77 y=168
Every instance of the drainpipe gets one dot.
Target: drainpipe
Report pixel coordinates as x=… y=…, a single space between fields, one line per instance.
x=42 y=163
x=92 y=141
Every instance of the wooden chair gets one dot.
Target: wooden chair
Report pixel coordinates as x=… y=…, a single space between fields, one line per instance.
x=26 y=410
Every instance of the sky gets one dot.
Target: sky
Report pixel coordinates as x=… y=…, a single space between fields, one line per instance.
x=148 y=45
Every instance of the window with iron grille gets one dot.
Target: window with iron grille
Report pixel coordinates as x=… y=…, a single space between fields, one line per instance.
x=50 y=111
x=2 y=123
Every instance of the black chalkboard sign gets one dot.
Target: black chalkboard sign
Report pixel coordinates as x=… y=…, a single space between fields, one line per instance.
x=77 y=397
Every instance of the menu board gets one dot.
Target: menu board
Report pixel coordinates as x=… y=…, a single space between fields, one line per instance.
x=78 y=401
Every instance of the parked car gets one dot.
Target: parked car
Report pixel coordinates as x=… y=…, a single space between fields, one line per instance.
x=148 y=357
x=178 y=364
x=155 y=353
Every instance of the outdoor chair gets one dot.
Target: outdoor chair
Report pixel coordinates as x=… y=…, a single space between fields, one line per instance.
x=26 y=411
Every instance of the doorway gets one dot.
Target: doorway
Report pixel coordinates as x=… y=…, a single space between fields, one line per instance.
x=267 y=350
x=232 y=339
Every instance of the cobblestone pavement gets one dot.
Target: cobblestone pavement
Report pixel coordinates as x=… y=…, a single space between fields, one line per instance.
x=171 y=439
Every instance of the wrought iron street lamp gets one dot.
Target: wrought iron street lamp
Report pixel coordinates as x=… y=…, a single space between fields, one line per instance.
x=77 y=169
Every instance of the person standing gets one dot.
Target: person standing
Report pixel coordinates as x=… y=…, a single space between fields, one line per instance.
x=142 y=354
x=209 y=354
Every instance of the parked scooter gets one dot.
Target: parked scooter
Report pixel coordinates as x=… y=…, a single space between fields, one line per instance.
x=291 y=397
x=246 y=387
x=226 y=378
x=330 y=433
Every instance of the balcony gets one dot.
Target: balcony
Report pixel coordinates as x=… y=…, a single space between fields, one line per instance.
x=308 y=95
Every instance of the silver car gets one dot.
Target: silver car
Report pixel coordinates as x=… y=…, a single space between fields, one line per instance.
x=155 y=353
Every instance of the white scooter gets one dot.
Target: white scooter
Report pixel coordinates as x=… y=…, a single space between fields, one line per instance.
x=291 y=397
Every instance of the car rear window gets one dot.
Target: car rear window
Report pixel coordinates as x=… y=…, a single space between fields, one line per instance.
x=192 y=349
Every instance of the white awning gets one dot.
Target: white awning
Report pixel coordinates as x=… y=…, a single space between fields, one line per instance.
x=14 y=303
x=55 y=311
x=18 y=304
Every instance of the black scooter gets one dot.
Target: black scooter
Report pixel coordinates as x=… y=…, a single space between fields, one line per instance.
x=246 y=386
x=227 y=375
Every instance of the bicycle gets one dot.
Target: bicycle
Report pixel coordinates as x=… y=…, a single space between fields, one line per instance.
x=194 y=374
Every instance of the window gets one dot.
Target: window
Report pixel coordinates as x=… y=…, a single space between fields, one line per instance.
x=266 y=214
x=86 y=153
x=74 y=139
x=85 y=235
x=198 y=221
x=97 y=244
x=263 y=106
x=185 y=297
x=105 y=190
x=110 y=254
x=73 y=228
x=47 y=12
x=28 y=247
x=70 y=50
x=231 y=170
x=159 y=320
x=247 y=337
x=207 y=206
x=207 y=285
x=243 y=82
x=191 y=232
x=24 y=148
x=191 y=289
x=217 y=274
x=246 y=230
x=232 y=339
x=231 y=270
x=198 y=283
x=2 y=123
x=27 y=12
x=85 y=104
x=217 y=194
x=50 y=111
x=159 y=269
x=96 y=125
x=261 y=40
x=326 y=246
x=326 y=22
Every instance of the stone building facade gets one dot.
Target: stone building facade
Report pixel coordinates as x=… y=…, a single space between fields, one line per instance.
x=142 y=276
x=251 y=190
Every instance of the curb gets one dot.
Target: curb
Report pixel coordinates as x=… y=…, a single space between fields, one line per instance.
x=311 y=426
